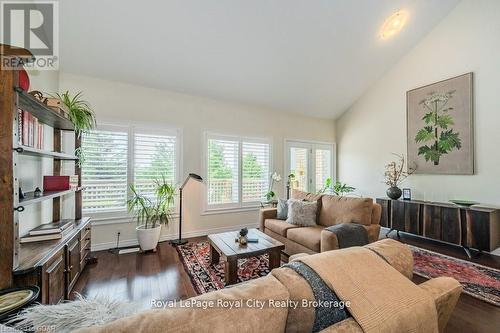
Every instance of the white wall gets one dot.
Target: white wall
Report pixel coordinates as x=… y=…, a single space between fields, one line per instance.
x=467 y=40
x=123 y=103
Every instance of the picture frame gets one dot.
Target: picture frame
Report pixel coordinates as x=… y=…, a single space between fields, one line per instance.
x=406 y=194
x=440 y=129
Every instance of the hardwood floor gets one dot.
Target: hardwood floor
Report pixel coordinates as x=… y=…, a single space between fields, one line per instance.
x=140 y=278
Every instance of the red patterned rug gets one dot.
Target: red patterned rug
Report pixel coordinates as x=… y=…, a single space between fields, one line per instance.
x=206 y=277
x=478 y=281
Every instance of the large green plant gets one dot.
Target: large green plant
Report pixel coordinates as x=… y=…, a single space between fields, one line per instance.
x=80 y=112
x=151 y=211
x=338 y=188
x=440 y=138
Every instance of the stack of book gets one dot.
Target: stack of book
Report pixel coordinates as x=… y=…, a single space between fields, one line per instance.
x=49 y=231
x=30 y=130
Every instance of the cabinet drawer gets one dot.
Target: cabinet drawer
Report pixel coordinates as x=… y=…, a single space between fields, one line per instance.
x=85 y=239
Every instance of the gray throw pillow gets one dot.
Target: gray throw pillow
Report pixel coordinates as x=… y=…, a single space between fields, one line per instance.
x=302 y=213
x=282 y=209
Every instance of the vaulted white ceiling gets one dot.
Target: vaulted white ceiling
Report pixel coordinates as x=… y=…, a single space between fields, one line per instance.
x=313 y=57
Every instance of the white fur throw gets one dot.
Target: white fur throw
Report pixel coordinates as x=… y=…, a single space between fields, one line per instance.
x=69 y=316
x=302 y=213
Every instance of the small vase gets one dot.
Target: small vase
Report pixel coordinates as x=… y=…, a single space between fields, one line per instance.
x=243 y=240
x=394 y=192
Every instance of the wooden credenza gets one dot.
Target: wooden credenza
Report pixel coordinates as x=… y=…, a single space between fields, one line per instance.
x=476 y=227
x=55 y=267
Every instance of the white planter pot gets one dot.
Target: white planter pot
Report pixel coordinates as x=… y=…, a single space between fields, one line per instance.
x=148 y=238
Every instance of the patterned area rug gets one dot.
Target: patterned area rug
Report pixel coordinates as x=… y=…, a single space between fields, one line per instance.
x=206 y=277
x=478 y=281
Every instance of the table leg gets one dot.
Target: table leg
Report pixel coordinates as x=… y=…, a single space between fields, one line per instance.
x=274 y=259
x=231 y=271
x=214 y=255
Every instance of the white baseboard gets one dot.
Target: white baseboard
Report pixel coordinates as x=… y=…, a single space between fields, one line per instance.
x=167 y=237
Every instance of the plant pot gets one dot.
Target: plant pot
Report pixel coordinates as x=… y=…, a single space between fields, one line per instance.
x=148 y=238
x=394 y=192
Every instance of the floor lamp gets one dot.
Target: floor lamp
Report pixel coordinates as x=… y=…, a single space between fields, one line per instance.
x=181 y=241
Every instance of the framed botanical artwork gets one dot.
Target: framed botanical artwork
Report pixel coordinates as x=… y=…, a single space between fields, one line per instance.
x=440 y=135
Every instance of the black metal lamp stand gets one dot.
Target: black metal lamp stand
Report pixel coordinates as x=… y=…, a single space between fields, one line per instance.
x=180 y=241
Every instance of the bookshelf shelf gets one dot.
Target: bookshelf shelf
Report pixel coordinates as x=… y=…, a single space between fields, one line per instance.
x=45 y=114
x=30 y=151
x=29 y=197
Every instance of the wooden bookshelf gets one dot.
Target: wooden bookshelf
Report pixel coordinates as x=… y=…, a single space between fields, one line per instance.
x=53 y=265
x=29 y=197
x=45 y=114
x=30 y=151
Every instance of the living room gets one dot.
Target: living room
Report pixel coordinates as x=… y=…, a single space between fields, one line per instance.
x=222 y=153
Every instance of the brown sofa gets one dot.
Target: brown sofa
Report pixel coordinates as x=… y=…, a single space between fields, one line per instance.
x=332 y=210
x=392 y=261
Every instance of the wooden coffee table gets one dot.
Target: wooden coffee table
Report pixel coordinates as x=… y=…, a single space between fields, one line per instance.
x=224 y=245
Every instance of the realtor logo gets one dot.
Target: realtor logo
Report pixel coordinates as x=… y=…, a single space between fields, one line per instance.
x=31 y=25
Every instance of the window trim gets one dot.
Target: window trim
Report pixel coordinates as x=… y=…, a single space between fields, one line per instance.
x=240 y=206
x=131 y=129
x=287 y=143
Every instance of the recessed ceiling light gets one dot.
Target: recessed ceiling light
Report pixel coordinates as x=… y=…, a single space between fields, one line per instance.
x=394 y=24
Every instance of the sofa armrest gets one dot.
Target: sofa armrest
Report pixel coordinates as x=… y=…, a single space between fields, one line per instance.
x=266 y=213
x=445 y=291
x=329 y=241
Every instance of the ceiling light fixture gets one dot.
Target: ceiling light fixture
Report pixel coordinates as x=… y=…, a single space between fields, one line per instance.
x=394 y=24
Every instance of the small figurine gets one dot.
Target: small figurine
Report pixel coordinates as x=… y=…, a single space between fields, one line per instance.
x=243 y=236
x=37 y=193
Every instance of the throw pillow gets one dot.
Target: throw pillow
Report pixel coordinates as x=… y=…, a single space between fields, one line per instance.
x=302 y=213
x=282 y=209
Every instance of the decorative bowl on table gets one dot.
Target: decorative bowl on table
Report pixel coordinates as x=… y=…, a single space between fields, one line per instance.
x=464 y=203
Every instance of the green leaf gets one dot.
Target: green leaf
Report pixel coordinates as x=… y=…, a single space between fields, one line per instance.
x=424 y=135
x=444 y=121
x=428 y=117
x=430 y=154
x=449 y=140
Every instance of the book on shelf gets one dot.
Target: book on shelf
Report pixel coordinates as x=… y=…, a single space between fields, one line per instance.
x=51 y=228
x=44 y=237
x=30 y=130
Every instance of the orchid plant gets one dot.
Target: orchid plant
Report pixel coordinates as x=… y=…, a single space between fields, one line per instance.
x=274 y=177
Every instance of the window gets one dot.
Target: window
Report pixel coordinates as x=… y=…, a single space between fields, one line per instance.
x=116 y=157
x=237 y=171
x=104 y=170
x=311 y=163
x=154 y=158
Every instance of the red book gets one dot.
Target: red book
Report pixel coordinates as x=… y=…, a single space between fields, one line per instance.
x=55 y=183
x=20 y=126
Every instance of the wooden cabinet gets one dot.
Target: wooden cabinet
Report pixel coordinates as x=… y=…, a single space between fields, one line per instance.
x=72 y=265
x=53 y=279
x=55 y=266
x=475 y=227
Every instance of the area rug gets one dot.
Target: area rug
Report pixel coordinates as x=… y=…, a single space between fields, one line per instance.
x=478 y=281
x=206 y=277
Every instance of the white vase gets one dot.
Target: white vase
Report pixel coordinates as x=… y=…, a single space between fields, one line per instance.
x=148 y=238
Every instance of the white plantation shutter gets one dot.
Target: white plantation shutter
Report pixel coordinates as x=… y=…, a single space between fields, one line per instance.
x=299 y=167
x=154 y=158
x=255 y=171
x=104 y=171
x=223 y=171
x=323 y=167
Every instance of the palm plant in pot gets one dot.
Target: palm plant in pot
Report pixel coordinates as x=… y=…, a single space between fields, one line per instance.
x=151 y=212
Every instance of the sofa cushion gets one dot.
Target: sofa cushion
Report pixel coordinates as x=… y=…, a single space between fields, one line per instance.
x=309 y=237
x=306 y=196
x=278 y=226
x=302 y=213
x=336 y=210
x=282 y=213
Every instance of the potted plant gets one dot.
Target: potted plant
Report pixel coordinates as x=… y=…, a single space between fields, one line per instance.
x=338 y=188
x=81 y=115
x=395 y=175
x=274 y=177
x=151 y=212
